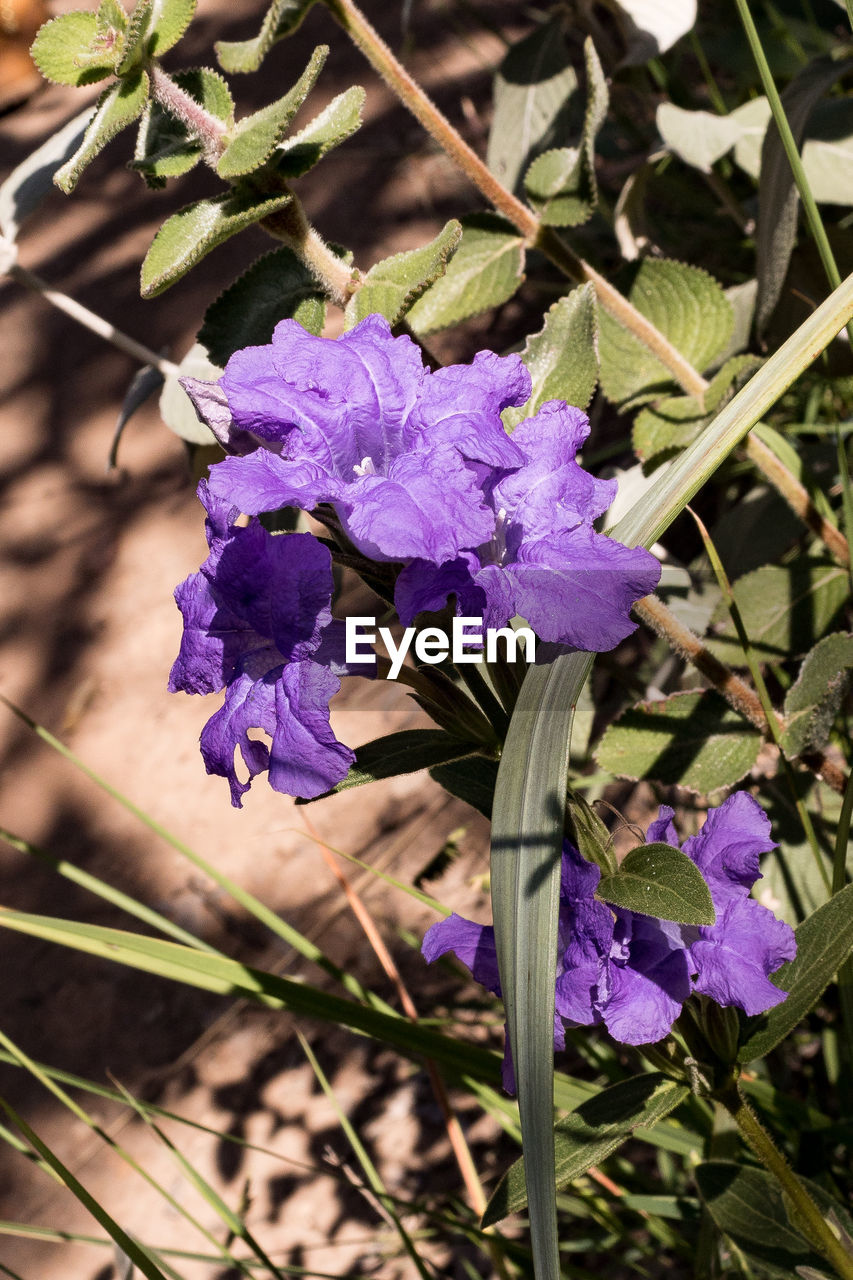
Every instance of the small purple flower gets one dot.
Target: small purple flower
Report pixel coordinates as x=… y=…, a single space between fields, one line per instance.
x=633 y=972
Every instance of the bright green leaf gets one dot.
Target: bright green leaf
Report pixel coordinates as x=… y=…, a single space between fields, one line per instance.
x=185 y=238
x=403 y=752
x=675 y=422
x=169 y=21
x=393 y=285
x=137 y=37
x=689 y=308
x=334 y=124
x=64 y=48
x=176 y=408
x=253 y=139
x=484 y=272
x=811 y=704
x=164 y=146
x=118 y=106
x=110 y=17
x=659 y=880
x=785 y=610
x=590 y=1134
x=282 y=18
x=276 y=287
x=694 y=740
x=472 y=780
x=562 y=358
x=824 y=942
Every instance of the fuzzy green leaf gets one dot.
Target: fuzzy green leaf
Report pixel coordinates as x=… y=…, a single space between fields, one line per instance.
x=393 y=285
x=335 y=123
x=137 y=38
x=66 y=50
x=674 y=422
x=169 y=21
x=785 y=610
x=562 y=358
x=164 y=146
x=591 y=1133
x=694 y=740
x=689 y=308
x=254 y=138
x=659 y=880
x=276 y=287
x=472 y=780
x=118 y=106
x=191 y=233
x=281 y=19
x=484 y=272
x=588 y=833
x=403 y=752
x=811 y=704
x=824 y=942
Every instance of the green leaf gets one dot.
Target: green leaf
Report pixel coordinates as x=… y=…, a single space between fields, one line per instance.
x=334 y=124
x=785 y=609
x=31 y=180
x=393 y=285
x=591 y=1133
x=561 y=184
x=137 y=37
x=164 y=146
x=651 y=27
x=484 y=272
x=689 y=308
x=694 y=740
x=254 y=138
x=117 y=107
x=533 y=88
x=659 y=880
x=185 y=238
x=403 y=752
x=169 y=21
x=562 y=358
x=588 y=833
x=472 y=780
x=824 y=942
x=699 y=138
x=176 y=408
x=110 y=17
x=64 y=48
x=675 y=422
x=828 y=152
x=280 y=20
x=812 y=702
x=276 y=287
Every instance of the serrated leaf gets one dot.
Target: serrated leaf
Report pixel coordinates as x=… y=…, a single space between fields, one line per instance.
x=169 y=21
x=64 y=48
x=472 y=780
x=31 y=180
x=191 y=233
x=392 y=286
x=254 y=138
x=824 y=942
x=675 y=422
x=659 y=880
x=651 y=27
x=110 y=17
x=485 y=270
x=117 y=107
x=812 y=702
x=532 y=90
x=699 y=138
x=176 y=408
x=689 y=308
x=137 y=36
x=785 y=609
x=280 y=20
x=335 y=123
x=403 y=752
x=164 y=146
x=694 y=740
x=276 y=287
x=591 y=1133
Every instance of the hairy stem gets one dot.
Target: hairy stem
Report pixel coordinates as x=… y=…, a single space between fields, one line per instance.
x=207 y=128
x=291 y=225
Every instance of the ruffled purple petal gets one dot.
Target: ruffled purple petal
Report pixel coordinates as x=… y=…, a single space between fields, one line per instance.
x=461 y=405
x=640 y=1010
x=306 y=758
x=728 y=847
x=473 y=944
x=662 y=830
x=733 y=958
x=249 y=704
x=264 y=481
x=424 y=588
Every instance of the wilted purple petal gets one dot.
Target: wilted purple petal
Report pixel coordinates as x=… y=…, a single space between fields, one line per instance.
x=473 y=944
x=306 y=758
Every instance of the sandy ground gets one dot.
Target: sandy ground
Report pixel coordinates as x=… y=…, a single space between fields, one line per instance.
x=89 y=630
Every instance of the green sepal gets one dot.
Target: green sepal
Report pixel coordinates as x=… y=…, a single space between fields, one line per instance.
x=172 y=17
x=562 y=358
x=253 y=139
x=812 y=702
x=659 y=880
x=117 y=107
x=164 y=146
x=674 y=422
x=282 y=18
x=591 y=1133
x=191 y=233
x=392 y=286
x=69 y=50
x=588 y=833
x=334 y=124
x=137 y=37
x=472 y=780
x=276 y=287
x=485 y=271
x=398 y=753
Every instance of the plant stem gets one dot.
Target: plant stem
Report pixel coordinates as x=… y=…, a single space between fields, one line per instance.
x=815 y=1226
x=797 y=497
x=207 y=128
x=290 y=224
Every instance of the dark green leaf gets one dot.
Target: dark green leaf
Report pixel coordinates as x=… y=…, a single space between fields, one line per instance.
x=334 y=124
x=403 y=752
x=472 y=780
x=484 y=272
x=811 y=704
x=533 y=88
x=164 y=146
x=393 y=285
x=695 y=740
x=591 y=1133
x=824 y=942
x=31 y=180
x=66 y=50
x=170 y=19
x=785 y=609
x=254 y=138
x=276 y=287
x=282 y=18
x=562 y=358
x=659 y=880
x=675 y=422
x=118 y=106
x=185 y=238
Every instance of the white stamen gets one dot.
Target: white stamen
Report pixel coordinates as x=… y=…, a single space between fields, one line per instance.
x=365 y=467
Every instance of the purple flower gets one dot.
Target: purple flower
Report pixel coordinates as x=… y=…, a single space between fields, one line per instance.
x=258 y=622
x=633 y=972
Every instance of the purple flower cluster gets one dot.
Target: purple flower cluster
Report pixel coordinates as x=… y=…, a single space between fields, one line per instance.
x=420 y=474
x=633 y=972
